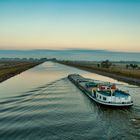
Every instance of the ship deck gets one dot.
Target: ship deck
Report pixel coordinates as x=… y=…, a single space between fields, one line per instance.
x=80 y=83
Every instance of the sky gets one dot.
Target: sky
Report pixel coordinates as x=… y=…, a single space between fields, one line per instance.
x=77 y=24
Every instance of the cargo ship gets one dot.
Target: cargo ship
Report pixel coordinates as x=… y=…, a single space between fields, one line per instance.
x=103 y=93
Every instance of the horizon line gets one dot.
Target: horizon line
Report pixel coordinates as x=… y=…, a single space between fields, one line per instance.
x=70 y=49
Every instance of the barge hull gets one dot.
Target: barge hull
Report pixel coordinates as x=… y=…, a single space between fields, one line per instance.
x=94 y=98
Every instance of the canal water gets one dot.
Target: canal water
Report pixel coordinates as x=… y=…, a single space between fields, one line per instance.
x=42 y=104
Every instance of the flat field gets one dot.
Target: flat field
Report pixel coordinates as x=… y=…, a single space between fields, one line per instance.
x=9 y=69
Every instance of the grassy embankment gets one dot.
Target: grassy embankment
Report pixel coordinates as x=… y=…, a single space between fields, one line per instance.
x=9 y=69
x=118 y=72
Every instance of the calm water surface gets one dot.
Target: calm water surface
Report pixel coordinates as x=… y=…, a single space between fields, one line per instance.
x=42 y=104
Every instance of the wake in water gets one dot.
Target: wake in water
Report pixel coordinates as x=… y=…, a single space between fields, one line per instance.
x=23 y=115
x=29 y=94
x=58 y=110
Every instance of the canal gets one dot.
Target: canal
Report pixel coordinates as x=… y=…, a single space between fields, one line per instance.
x=41 y=103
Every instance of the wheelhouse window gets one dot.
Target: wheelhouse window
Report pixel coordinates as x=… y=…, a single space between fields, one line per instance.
x=104 y=98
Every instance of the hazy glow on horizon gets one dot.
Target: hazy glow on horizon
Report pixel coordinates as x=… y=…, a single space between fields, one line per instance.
x=57 y=24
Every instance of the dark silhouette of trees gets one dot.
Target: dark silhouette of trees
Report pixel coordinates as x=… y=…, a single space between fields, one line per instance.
x=127 y=66
x=98 y=65
x=106 y=64
x=133 y=66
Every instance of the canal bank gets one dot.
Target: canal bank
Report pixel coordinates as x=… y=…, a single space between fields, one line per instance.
x=104 y=72
x=9 y=69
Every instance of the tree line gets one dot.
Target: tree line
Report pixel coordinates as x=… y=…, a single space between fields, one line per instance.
x=108 y=64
